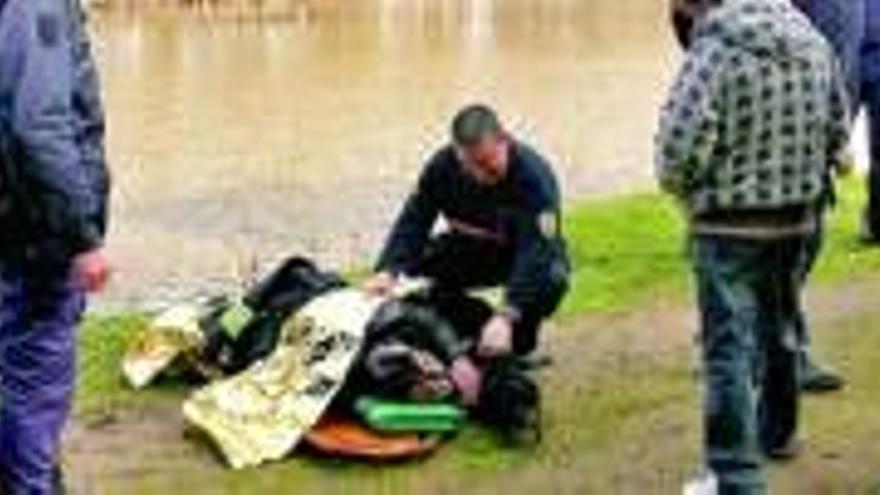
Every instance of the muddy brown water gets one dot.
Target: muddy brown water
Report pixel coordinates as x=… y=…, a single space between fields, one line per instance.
x=245 y=130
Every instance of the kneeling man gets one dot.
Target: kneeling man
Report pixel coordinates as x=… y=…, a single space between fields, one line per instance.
x=500 y=202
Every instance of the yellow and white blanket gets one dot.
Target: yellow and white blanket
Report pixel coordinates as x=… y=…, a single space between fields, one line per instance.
x=260 y=415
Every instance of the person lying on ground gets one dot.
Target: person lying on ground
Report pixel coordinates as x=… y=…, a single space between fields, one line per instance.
x=421 y=351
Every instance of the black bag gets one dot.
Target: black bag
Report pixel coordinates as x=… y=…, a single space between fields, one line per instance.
x=272 y=301
x=510 y=402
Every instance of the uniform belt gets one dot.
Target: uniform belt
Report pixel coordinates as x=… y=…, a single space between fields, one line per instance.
x=471 y=230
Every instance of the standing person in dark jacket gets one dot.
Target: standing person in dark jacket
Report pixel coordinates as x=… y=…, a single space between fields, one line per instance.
x=842 y=22
x=52 y=219
x=853 y=28
x=870 y=97
x=500 y=201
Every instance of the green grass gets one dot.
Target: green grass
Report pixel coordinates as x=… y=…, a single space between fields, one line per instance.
x=629 y=426
x=631 y=251
x=625 y=251
x=626 y=425
x=101 y=391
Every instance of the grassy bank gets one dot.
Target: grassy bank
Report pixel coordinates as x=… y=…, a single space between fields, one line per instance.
x=621 y=403
x=629 y=254
x=630 y=251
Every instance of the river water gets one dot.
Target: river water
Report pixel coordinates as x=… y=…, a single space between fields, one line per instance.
x=244 y=130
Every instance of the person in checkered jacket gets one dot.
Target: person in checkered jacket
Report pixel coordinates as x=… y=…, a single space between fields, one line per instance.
x=747 y=142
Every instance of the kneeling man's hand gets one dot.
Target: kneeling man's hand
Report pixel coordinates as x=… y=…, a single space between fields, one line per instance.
x=91 y=270
x=497 y=337
x=381 y=284
x=468 y=380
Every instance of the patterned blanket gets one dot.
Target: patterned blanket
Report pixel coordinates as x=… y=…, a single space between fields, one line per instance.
x=260 y=415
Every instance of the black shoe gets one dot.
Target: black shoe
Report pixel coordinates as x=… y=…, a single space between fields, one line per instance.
x=816 y=379
x=786 y=452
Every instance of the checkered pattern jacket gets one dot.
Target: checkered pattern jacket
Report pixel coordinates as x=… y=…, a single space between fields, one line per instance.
x=758 y=113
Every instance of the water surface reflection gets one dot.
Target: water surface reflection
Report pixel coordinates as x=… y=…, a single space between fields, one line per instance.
x=269 y=126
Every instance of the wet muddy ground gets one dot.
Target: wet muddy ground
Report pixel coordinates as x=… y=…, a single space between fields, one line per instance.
x=621 y=416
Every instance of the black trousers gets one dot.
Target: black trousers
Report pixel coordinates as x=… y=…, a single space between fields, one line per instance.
x=870 y=97
x=456 y=263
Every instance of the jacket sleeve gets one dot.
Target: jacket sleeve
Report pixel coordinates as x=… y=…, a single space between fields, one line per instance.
x=90 y=123
x=541 y=267
x=44 y=121
x=412 y=228
x=689 y=121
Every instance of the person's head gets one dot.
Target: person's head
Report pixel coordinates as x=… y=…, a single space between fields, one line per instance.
x=685 y=14
x=482 y=144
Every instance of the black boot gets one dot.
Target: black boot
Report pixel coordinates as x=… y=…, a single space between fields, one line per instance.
x=817 y=379
x=785 y=452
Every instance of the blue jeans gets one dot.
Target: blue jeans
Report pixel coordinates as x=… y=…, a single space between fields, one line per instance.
x=749 y=298
x=39 y=310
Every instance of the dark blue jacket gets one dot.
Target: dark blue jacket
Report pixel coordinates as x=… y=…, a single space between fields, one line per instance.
x=843 y=22
x=871 y=48
x=523 y=212
x=51 y=110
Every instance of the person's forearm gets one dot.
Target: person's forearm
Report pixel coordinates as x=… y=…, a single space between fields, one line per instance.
x=398 y=255
x=409 y=235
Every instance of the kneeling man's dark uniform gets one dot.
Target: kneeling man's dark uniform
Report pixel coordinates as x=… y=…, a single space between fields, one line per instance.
x=502 y=231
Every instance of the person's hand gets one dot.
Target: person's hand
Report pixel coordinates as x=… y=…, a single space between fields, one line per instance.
x=91 y=270
x=497 y=338
x=468 y=380
x=380 y=284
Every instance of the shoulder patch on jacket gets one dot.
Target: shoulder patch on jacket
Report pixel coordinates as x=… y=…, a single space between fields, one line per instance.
x=48 y=29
